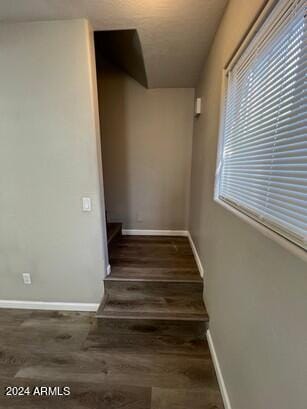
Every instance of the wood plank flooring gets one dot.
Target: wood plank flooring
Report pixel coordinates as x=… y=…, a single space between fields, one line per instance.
x=115 y=363
x=148 y=258
x=148 y=336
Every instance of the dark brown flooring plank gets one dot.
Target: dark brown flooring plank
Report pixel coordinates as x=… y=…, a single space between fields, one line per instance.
x=39 y=318
x=133 y=369
x=53 y=337
x=126 y=368
x=13 y=317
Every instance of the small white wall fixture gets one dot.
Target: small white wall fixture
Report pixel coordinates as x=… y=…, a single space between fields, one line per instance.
x=198 y=106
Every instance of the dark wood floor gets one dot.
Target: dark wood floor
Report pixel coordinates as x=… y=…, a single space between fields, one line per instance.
x=154 y=361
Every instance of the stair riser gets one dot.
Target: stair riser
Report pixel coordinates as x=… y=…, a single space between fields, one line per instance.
x=154 y=287
x=152 y=327
x=153 y=300
x=155 y=274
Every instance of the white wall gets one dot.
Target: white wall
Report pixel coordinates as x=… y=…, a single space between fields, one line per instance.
x=49 y=159
x=255 y=290
x=147 y=144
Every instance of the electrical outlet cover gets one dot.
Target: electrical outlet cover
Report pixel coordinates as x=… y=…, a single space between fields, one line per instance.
x=26 y=278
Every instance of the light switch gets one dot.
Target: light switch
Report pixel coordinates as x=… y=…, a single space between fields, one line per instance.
x=86 y=204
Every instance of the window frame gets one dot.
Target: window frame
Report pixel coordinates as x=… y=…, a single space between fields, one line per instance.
x=268 y=229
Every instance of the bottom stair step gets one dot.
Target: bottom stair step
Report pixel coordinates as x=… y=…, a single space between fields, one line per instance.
x=153 y=300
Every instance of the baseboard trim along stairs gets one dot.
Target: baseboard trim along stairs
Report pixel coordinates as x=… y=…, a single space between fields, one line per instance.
x=218 y=371
x=197 y=258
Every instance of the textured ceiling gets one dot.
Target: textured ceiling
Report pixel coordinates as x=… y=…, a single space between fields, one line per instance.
x=175 y=35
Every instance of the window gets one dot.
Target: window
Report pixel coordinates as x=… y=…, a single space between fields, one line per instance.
x=262 y=166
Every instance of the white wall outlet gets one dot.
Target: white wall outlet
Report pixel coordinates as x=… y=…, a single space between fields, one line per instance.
x=86 y=204
x=26 y=278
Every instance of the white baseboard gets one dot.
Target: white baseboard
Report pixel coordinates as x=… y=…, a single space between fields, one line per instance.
x=108 y=270
x=52 y=306
x=133 y=232
x=197 y=258
x=218 y=371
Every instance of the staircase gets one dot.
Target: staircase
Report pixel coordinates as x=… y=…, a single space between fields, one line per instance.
x=152 y=322
x=153 y=278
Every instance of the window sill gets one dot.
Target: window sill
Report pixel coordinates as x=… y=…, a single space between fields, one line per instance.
x=266 y=231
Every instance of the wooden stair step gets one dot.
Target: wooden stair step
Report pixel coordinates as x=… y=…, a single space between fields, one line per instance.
x=153 y=300
x=177 y=274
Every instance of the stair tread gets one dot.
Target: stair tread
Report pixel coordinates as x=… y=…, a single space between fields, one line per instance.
x=153 y=300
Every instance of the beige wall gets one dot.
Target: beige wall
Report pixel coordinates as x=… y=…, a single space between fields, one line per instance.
x=49 y=156
x=255 y=290
x=146 y=147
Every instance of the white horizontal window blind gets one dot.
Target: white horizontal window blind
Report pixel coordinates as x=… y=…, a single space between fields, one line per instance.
x=263 y=163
